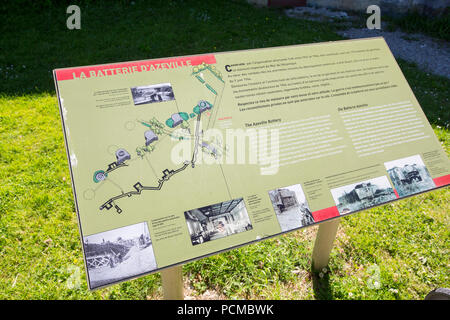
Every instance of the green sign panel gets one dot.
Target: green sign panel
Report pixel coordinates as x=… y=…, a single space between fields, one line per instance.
x=174 y=159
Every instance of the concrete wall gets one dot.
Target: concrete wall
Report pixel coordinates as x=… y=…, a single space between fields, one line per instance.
x=391 y=6
x=424 y=6
x=279 y=3
x=259 y=2
x=357 y=5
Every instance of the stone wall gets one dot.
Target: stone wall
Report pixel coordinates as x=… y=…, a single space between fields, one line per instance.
x=357 y=5
x=259 y=2
x=279 y=3
x=392 y=6
x=430 y=7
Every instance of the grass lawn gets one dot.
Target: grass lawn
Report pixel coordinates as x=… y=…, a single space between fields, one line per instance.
x=437 y=27
x=397 y=251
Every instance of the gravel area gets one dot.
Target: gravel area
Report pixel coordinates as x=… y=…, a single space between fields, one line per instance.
x=430 y=55
x=316 y=14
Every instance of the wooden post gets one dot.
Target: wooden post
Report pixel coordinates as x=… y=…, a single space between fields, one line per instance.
x=324 y=243
x=172 y=282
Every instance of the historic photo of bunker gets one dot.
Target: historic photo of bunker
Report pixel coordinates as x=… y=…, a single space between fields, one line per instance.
x=291 y=207
x=153 y=93
x=362 y=195
x=118 y=254
x=409 y=175
x=217 y=221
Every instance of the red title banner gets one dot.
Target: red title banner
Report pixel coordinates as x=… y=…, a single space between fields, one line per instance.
x=132 y=67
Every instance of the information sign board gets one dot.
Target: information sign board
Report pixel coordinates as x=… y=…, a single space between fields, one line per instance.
x=179 y=158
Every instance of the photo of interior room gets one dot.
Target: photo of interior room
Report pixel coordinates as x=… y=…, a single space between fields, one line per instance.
x=217 y=221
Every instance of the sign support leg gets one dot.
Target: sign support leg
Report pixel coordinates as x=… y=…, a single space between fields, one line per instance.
x=172 y=283
x=324 y=243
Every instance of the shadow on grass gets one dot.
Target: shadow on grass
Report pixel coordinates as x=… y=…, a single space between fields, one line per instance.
x=35 y=39
x=321 y=286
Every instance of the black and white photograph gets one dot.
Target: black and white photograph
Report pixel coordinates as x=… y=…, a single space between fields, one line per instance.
x=152 y=93
x=217 y=221
x=409 y=175
x=362 y=195
x=118 y=254
x=291 y=207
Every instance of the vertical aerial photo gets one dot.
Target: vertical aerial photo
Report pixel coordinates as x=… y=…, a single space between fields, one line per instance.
x=291 y=207
x=409 y=175
x=362 y=195
x=217 y=221
x=118 y=254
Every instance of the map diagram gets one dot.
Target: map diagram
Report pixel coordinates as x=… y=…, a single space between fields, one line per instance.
x=155 y=130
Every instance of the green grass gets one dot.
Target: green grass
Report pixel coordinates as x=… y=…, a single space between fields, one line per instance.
x=35 y=39
x=437 y=27
x=40 y=250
